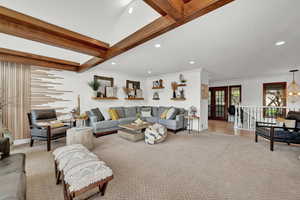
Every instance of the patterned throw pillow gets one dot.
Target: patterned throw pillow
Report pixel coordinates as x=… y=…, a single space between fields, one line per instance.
x=146 y=113
x=113 y=114
x=171 y=114
x=290 y=123
x=164 y=114
x=98 y=114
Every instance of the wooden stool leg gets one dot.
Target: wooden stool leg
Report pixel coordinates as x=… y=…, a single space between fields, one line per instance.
x=103 y=188
x=55 y=168
x=66 y=196
x=58 y=177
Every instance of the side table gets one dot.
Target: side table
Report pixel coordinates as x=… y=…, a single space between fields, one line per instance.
x=82 y=135
x=190 y=119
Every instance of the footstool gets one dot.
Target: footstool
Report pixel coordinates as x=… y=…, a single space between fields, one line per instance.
x=82 y=135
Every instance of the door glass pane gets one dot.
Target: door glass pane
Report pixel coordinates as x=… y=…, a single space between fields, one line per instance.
x=220 y=103
x=235 y=94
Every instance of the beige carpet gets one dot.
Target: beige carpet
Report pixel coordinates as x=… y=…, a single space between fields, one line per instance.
x=202 y=167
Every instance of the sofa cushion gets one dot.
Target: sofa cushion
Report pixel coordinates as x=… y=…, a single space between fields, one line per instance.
x=120 y=111
x=171 y=114
x=113 y=114
x=155 y=112
x=13 y=186
x=130 y=112
x=105 y=124
x=161 y=110
x=146 y=112
x=151 y=119
x=127 y=120
x=13 y=163
x=98 y=114
x=164 y=114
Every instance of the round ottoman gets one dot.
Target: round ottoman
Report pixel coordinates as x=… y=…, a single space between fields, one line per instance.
x=82 y=135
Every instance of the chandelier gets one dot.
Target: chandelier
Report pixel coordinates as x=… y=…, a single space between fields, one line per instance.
x=293 y=89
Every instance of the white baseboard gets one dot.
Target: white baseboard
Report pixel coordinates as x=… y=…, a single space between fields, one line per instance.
x=21 y=141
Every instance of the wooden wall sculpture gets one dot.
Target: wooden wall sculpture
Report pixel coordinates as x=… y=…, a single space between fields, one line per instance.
x=44 y=83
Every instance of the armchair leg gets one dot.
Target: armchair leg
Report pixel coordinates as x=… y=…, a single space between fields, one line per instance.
x=31 y=142
x=48 y=144
x=48 y=138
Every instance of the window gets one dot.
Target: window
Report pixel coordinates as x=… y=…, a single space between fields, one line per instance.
x=235 y=95
x=274 y=95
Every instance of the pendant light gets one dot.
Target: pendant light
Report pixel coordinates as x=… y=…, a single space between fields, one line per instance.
x=293 y=89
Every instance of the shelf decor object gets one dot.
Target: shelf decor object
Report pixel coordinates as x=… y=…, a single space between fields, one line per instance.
x=94 y=85
x=105 y=83
x=133 y=90
x=174 y=88
x=156 y=96
x=158 y=84
x=182 y=79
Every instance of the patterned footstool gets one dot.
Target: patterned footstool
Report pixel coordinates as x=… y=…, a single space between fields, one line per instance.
x=155 y=134
x=81 y=170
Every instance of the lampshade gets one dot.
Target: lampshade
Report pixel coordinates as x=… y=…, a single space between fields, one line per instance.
x=293 y=89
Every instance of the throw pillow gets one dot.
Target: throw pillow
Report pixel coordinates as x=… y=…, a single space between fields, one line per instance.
x=164 y=114
x=113 y=114
x=146 y=113
x=56 y=125
x=98 y=114
x=290 y=123
x=171 y=114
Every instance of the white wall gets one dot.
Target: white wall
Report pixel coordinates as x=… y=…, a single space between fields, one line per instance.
x=192 y=93
x=252 y=88
x=77 y=82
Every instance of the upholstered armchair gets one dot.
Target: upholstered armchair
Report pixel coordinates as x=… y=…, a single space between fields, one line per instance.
x=45 y=132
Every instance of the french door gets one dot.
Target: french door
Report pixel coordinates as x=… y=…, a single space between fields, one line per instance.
x=218 y=103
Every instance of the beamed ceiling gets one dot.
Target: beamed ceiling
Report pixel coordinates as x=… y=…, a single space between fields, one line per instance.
x=172 y=14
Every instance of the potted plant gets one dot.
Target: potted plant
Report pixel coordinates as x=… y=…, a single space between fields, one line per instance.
x=95 y=86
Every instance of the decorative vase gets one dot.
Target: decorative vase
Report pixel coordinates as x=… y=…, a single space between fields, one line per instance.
x=174 y=94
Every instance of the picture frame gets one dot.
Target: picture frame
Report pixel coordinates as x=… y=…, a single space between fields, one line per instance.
x=133 y=84
x=104 y=83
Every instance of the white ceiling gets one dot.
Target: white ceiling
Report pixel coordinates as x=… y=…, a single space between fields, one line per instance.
x=105 y=20
x=235 y=41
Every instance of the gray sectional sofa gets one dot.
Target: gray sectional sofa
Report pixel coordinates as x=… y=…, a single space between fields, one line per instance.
x=129 y=115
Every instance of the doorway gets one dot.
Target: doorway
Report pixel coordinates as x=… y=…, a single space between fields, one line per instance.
x=218 y=103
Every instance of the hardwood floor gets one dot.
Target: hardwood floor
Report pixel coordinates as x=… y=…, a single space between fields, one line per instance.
x=227 y=128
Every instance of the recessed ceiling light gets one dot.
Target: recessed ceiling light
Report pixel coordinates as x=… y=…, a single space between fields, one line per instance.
x=113 y=63
x=130 y=10
x=149 y=72
x=192 y=62
x=279 y=43
x=157 y=45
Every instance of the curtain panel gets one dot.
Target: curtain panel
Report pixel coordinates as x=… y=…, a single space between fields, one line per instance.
x=15 y=81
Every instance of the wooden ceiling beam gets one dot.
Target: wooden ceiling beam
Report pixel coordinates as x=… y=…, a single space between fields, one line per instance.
x=173 y=8
x=195 y=8
x=152 y=30
x=90 y=63
x=191 y=9
x=27 y=27
x=33 y=59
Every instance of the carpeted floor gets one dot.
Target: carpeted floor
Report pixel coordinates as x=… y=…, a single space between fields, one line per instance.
x=195 y=167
